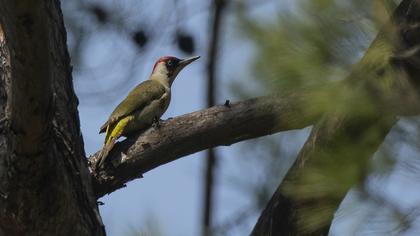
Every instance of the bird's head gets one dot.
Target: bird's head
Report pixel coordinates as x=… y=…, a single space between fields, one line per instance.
x=167 y=68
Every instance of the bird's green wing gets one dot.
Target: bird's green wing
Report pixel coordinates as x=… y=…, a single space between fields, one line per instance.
x=142 y=95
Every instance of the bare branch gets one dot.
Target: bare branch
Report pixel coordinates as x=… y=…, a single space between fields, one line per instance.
x=194 y=132
x=232 y=123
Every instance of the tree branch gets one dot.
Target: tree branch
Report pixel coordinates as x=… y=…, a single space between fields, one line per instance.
x=194 y=132
x=225 y=125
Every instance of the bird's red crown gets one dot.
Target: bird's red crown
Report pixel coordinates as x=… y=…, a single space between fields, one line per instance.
x=163 y=59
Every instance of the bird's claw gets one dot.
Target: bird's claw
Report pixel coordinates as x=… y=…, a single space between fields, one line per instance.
x=156 y=123
x=227 y=103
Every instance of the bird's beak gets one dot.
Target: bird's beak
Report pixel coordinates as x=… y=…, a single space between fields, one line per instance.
x=181 y=64
x=187 y=61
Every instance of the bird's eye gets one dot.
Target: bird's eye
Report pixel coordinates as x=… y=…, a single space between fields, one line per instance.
x=171 y=63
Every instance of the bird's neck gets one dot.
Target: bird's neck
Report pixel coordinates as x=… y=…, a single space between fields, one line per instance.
x=162 y=80
x=160 y=74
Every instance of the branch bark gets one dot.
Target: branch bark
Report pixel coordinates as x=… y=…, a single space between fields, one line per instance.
x=187 y=134
x=45 y=187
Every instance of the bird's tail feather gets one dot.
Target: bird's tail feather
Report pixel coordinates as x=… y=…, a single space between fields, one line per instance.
x=113 y=132
x=108 y=132
x=104 y=152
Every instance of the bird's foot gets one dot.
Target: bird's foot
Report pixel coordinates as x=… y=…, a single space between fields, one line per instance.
x=227 y=103
x=156 y=123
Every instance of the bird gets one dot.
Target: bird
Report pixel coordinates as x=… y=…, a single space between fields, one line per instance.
x=144 y=105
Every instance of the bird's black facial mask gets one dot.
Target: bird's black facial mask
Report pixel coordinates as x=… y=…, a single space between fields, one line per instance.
x=171 y=65
x=175 y=65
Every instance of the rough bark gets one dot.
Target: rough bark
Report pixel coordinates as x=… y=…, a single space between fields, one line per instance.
x=190 y=133
x=45 y=186
x=287 y=211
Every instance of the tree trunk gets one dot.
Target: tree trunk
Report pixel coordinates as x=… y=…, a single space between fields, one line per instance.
x=45 y=186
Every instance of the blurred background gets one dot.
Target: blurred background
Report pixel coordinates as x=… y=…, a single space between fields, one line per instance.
x=248 y=48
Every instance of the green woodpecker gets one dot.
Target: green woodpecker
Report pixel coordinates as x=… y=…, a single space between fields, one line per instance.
x=145 y=104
